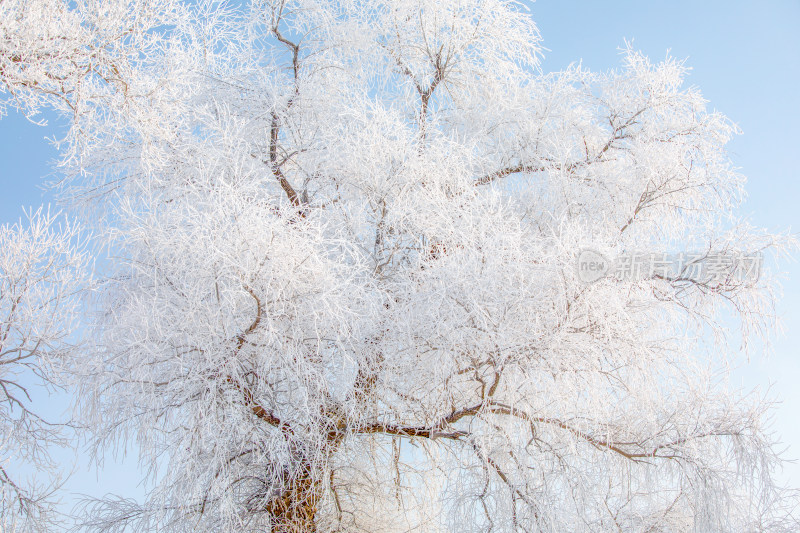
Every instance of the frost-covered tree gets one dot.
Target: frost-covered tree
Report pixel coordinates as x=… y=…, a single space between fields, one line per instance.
x=343 y=289
x=55 y=53
x=63 y=56
x=43 y=268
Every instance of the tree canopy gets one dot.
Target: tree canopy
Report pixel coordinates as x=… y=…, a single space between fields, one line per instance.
x=340 y=287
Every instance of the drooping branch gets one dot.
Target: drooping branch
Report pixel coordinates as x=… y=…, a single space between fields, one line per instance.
x=639 y=452
x=504 y=477
x=634 y=451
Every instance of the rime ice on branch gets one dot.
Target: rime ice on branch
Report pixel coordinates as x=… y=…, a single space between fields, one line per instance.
x=345 y=296
x=43 y=269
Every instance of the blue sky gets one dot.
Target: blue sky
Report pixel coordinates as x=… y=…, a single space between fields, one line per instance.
x=745 y=57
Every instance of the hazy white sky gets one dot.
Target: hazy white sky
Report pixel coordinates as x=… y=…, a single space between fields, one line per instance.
x=746 y=60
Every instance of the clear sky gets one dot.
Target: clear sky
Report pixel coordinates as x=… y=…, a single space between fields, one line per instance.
x=745 y=57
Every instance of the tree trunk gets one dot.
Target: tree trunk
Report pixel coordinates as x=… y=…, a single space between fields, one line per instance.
x=294 y=511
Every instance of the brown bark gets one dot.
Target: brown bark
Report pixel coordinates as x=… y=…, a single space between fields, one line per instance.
x=295 y=510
